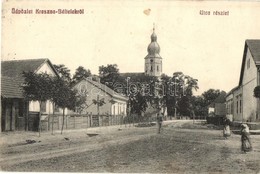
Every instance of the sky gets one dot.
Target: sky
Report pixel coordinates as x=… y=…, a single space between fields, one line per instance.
x=206 y=47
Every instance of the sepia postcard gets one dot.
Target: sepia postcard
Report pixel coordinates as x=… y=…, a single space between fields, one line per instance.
x=134 y=86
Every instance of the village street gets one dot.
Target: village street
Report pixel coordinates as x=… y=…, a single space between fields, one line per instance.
x=181 y=147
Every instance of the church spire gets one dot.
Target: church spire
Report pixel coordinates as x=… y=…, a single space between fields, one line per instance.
x=153 y=36
x=153 y=61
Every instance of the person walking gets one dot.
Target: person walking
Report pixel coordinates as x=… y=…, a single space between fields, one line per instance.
x=226 y=128
x=246 y=145
x=159 y=122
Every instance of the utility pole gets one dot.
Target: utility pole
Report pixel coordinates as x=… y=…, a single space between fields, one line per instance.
x=128 y=94
x=175 y=98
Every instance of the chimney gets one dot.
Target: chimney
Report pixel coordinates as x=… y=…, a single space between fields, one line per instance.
x=96 y=78
x=89 y=78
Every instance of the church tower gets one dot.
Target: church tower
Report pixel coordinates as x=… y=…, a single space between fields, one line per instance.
x=153 y=61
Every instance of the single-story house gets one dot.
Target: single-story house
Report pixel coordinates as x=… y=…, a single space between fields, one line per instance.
x=14 y=108
x=218 y=107
x=113 y=102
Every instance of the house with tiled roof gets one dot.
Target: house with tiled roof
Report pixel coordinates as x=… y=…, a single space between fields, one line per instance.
x=113 y=102
x=14 y=108
x=240 y=101
x=218 y=107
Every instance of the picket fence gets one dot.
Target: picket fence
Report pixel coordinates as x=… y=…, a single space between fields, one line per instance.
x=81 y=121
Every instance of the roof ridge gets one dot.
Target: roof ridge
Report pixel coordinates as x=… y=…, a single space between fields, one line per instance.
x=252 y=39
x=115 y=94
x=17 y=60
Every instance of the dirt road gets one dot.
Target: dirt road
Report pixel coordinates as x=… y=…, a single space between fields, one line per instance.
x=181 y=147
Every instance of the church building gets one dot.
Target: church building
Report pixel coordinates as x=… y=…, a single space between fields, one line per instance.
x=152 y=67
x=153 y=61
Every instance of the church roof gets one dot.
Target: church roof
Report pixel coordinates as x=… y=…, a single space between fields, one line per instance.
x=129 y=74
x=153 y=48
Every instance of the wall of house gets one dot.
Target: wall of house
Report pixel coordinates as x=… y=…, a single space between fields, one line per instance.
x=237 y=105
x=248 y=85
x=93 y=93
x=211 y=110
x=119 y=108
x=47 y=108
x=13 y=115
x=220 y=109
x=229 y=105
x=45 y=68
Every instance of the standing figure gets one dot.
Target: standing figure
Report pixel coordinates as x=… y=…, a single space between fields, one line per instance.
x=159 y=122
x=226 y=129
x=246 y=145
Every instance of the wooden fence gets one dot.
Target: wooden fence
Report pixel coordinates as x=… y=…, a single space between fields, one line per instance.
x=79 y=121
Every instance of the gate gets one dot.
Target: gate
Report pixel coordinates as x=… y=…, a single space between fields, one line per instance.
x=95 y=121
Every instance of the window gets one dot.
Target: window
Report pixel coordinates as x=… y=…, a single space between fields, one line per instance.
x=248 y=63
x=56 y=108
x=151 y=68
x=83 y=88
x=232 y=107
x=114 y=110
x=21 y=108
x=227 y=108
x=237 y=107
x=240 y=108
x=43 y=107
x=157 y=68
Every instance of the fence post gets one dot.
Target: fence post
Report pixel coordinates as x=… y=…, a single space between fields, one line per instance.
x=128 y=121
x=58 y=117
x=82 y=119
x=48 y=127
x=99 y=121
x=107 y=120
x=88 y=120
x=66 y=121
x=74 y=121
x=113 y=119
x=91 y=119
x=124 y=119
